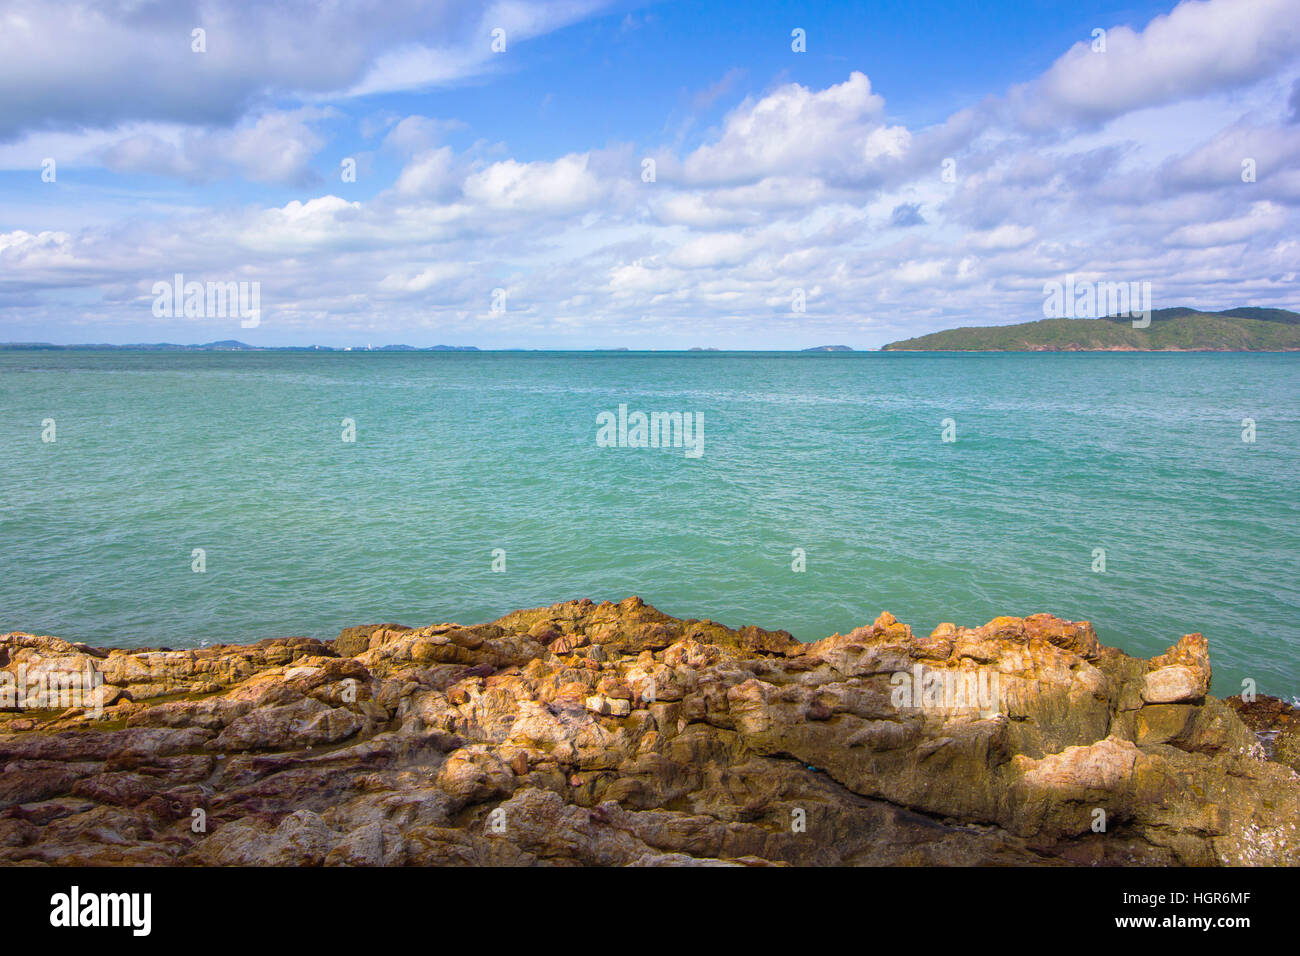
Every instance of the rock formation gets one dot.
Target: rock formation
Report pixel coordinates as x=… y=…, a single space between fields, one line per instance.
x=613 y=734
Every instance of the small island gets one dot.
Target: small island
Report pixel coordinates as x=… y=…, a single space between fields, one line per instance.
x=828 y=348
x=1181 y=329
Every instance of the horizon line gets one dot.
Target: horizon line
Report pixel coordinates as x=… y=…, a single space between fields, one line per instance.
x=397 y=347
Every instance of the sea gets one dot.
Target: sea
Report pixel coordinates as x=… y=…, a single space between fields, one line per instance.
x=183 y=499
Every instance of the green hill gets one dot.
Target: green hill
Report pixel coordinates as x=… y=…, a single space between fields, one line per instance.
x=1176 y=330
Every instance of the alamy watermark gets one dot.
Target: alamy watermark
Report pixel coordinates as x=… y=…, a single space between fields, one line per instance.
x=52 y=690
x=947 y=690
x=211 y=300
x=75 y=909
x=1075 y=299
x=651 y=430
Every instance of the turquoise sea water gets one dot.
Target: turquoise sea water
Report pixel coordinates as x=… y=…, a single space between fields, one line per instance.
x=241 y=454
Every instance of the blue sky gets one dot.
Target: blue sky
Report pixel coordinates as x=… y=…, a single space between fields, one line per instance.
x=777 y=172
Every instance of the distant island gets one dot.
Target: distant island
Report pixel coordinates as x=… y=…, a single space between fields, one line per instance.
x=226 y=345
x=828 y=348
x=1180 y=329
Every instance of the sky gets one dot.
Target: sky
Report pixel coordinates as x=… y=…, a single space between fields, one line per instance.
x=577 y=174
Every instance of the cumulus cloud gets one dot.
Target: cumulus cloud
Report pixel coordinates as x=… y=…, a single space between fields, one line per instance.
x=565 y=184
x=430 y=173
x=716 y=249
x=271 y=147
x=1008 y=236
x=1199 y=47
x=836 y=133
x=800 y=187
x=1262 y=220
x=67 y=64
x=701 y=212
x=426 y=278
x=1242 y=154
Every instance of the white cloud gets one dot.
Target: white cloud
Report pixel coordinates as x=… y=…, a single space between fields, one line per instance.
x=795 y=189
x=565 y=184
x=835 y=133
x=1264 y=219
x=1199 y=47
x=270 y=147
x=1267 y=153
x=637 y=278
x=1008 y=236
x=67 y=64
x=418 y=134
x=915 y=273
x=302 y=226
x=429 y=174
x=718 y=249
x=427 y=278
x=695 y=210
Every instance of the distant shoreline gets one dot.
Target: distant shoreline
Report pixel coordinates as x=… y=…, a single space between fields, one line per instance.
x=400 y=349
x=1106 y=351
x=1178 y=329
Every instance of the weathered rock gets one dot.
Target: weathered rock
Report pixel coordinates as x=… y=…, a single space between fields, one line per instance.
x=1277 y=724
x=613 y=734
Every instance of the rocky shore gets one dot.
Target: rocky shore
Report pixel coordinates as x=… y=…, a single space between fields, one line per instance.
x=613 y=734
